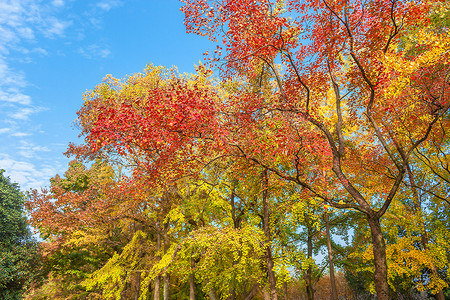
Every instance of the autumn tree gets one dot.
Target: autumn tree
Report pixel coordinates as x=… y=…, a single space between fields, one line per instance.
x=351 y=92
x=166 y=129
x=77 y=222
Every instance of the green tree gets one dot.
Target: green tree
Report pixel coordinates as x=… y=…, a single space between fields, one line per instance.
x=18 y=249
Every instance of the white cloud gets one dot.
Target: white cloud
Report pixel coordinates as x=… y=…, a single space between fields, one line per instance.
x=96 y=22
x=24 y=25
x=95 y=51
x=24 y=113
x=15 y=97
x=13 y=131
x=55 y=27
x=20 y=134
x=7 y=38
x=16 y=21
x=108 y=4
x=11 y=84
x=25 y=19
x=29 y=150
x=10 y=12
x=4 y=130
x=27 y=174
x=58 y=3
x=34 y=148
x=26 y=32
x=10 y=78
x=40 y=51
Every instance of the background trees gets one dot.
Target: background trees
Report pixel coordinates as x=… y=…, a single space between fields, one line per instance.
x=19 y=263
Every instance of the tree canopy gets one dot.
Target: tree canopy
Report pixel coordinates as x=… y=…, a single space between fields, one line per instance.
x=326 y=119
x=18 y=249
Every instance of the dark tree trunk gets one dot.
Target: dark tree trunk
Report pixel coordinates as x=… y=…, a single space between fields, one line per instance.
x=156 y=295
x=232 y=295
x=236 y=219
x=334 y=293
x=237 y=225
x=266 y=228
x=192 y=281
x=137 y=286
x=379 y=254
x=127 y=290
x=308 y=276
x=253 y=292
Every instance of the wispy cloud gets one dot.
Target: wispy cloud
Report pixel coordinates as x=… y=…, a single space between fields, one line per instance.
x=20 y=134
x=54 y=27
x=39 y=50
x=58 y=3
x=28 y=175
x=95 y=51
x=25 y=25
x=14 y=131
x=25 y=32
x=108 y=4
x=10 y=78
x=11 y=84
x=4 y=130
x=15 y=96
x=10 y=12
x=24 y=19
x=29 y=150
x=24 y=113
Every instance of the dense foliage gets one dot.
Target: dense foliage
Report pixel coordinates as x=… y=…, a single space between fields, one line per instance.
x=18 y=249
x=326 y=131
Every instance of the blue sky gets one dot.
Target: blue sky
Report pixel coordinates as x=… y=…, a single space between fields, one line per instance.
x=51 y=52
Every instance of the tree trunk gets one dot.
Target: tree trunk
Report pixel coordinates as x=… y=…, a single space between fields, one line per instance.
x=232 y=295
x=213 y=294
x=157 y=288
x=137 y=286
x=236 y=224
x=166 y=280
x=127 y=289
x=308 y=278
x=157 y=278
x=423 y=232
x=192 y=281
x=271 y=274
x=424 y=239
x=236 y=219
x=440 y=294
x=253 y=292
x=166 y=277
x=379 y=254
x=334 y=293
x=266 y=228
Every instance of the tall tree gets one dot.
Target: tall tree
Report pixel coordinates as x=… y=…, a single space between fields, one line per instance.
x=19 y=255
x=386 y=99
x=67 y=217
